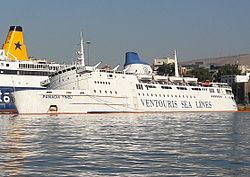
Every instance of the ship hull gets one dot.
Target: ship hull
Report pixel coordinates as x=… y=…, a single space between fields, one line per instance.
x=73 y=101
x=7 y=104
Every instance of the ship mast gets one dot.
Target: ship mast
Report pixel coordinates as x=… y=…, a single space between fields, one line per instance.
x=80 y=58
x=176 y=65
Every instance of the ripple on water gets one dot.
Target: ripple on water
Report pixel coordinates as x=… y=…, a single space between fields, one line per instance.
x=169 y=144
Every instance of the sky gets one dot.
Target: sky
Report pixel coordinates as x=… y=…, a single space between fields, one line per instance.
x=152 y=28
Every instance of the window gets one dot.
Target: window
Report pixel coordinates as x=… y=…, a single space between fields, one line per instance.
x=166 y=87
x=196 y=88
x=211 y=90
x=181 y=88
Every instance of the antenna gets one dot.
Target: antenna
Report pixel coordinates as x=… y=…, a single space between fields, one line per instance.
x=176 y=64
x=80 y=58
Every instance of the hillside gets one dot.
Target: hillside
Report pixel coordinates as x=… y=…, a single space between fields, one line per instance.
x=242 y=59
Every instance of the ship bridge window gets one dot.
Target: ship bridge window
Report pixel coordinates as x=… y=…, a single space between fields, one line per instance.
x=197 y=89
x=150 y=86
x=166 y=87
x=181 y=88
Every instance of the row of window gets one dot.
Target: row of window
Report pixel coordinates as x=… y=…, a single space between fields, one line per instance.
x=140 y=86
x=216 y=96
x=102 y=82
x=166 y=95
x=63 y=71
x=105 y=91
x=38 y=66
x=15 y=72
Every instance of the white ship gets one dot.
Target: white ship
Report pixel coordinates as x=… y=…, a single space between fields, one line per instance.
x=17 y=71
x=89 y=89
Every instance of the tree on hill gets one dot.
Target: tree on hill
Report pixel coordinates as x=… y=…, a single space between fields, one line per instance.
x=201 y=73
x=166 y=69
x=228 y=69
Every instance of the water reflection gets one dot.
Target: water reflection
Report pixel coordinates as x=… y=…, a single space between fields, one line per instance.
x=174 y=144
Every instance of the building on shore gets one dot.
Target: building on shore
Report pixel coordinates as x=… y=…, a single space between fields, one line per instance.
x=160 y=61
x=240 y=86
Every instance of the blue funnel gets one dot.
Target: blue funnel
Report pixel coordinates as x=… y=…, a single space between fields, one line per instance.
x=133 y=58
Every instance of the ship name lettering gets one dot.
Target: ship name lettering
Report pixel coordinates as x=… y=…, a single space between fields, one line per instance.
x=159 y=103
x=186 y=104
x=52 y=96
x=203 y=104
x=4 y=97
x=67 y=96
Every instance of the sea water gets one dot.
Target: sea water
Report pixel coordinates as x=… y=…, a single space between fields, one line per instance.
x=165 y=144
